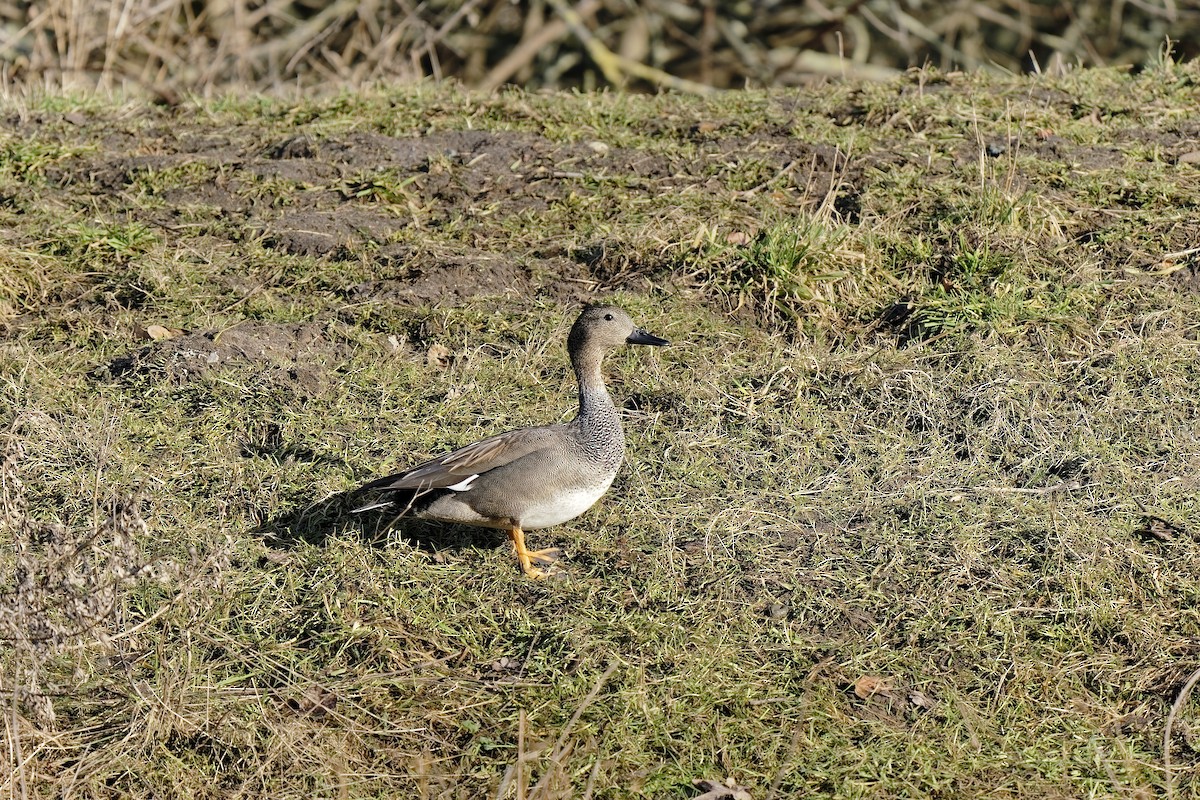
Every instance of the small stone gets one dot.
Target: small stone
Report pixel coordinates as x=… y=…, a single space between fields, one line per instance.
x=438 y=356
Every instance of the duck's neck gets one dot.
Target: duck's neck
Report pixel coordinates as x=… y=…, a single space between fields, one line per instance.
x=599 y=425
x=594 y=402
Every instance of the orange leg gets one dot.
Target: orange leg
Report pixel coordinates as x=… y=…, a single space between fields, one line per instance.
x=528 y=558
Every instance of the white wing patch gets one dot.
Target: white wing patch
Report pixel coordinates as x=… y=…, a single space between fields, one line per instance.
x=463 y=486
x=371 y=506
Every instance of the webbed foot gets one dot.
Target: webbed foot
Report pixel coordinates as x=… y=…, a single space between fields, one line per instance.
x=537 y=564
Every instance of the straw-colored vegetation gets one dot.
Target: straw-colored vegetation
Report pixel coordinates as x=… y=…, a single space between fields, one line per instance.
x=176 y=47
x=909 y=509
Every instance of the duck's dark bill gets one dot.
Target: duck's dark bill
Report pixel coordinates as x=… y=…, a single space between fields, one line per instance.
x=639 y=336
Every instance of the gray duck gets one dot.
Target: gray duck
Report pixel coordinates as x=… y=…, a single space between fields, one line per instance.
x=536 y=477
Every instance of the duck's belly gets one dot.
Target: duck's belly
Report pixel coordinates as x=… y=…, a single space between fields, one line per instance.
x=536 y=509
x=564 y=506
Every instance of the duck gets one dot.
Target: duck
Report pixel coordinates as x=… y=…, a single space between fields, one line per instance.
x=530 y=478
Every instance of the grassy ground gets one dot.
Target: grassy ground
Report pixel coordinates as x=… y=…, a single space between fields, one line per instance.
x=908 y=505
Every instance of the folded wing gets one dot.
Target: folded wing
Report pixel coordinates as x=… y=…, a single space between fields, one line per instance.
x=460 y=466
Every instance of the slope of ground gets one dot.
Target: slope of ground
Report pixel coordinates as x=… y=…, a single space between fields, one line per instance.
x=907 y=510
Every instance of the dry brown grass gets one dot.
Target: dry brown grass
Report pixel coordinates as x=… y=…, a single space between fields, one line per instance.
x=63 y=591
x=179 y=46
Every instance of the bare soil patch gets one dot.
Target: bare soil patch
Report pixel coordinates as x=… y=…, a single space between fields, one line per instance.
x=347 y=196
x=298 y=356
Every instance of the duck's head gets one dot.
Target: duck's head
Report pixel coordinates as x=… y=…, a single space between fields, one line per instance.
x=607 y=327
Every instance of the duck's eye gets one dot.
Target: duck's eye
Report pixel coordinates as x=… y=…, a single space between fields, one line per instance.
x=608 y=317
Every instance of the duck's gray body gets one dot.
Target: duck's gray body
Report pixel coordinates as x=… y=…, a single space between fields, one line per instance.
x=536 y=477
